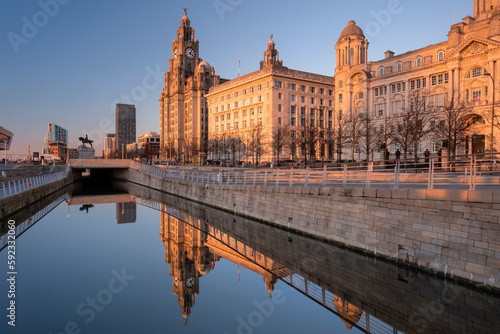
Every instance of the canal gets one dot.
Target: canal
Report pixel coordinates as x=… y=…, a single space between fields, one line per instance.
x=121 y=258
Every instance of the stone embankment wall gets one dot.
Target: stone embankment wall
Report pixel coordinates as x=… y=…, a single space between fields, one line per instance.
x=452 y=232
x=13 y=204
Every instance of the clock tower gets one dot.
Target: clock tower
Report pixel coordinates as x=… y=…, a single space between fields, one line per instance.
x=183 y=106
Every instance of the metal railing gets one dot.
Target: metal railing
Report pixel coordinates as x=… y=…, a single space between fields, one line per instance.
x=19 y=185
x=464 y=172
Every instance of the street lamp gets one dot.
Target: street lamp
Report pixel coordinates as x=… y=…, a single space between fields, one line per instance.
x=492 y=120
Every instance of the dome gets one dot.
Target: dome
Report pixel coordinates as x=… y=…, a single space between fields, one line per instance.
x=205 y=64
x=271 y=43
x=185 y=19
x=352 y=30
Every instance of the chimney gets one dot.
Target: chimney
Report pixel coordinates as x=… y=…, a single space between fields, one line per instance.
x=389 y=54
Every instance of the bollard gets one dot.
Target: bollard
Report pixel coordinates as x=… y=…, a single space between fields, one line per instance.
x=291 y=177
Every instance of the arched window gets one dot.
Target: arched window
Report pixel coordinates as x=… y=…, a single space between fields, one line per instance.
x=399 y=67
x=381 y=71
x=419 y=61
x=476 y=72
x=440 y=55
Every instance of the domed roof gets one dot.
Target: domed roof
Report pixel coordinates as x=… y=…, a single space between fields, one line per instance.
x=352 y=30
x=205 y=64
x=271 y=43
x=184 y=19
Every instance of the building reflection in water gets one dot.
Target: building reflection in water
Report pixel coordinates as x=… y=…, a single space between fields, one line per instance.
x=188 y=255
x=192 y=247
x=126 y=212
x=349 y=313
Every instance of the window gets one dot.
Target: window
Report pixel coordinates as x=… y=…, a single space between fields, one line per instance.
x=260 y=87
x=302 y=88
x=251 y=89
x=436 y=146
x=361 y=96
x=398 y=106
x=292 y=98
x=419 y=62
x=439 y=100
x=329 y=103
x=440 y=55
x=244 y=92
x=280 y=96
x=293 y=86
x=312 y=100
x=418 y=83
x=312 y=90
x=260 y=98
x=228 y=106
x=330 y=92
x=302 y=99
x=341 y=98
x=321 y=91
x=236 y=115
x=279 y=121
x=381 y=71
x=244 y=123
x=222 y=108
x=380 y=109
x=252 y=112
x=236 y=94
x=216 y=119
x=476 y=72
x=280 y=108
x=236 y=125
x=399 y=67
x=321 y=102
x=476 y=95
x=228 y=117
x=341 y=84
x=293 y=122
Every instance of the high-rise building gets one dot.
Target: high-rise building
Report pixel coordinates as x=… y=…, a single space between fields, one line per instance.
x=109 y=146
x=183 y=106
x=56 y=142
x=125 y=126
x=149 y=144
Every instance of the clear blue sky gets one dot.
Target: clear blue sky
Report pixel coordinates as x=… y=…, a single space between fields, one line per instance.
x=87 y=55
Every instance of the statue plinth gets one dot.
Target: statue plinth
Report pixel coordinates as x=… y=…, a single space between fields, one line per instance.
x=86 y=152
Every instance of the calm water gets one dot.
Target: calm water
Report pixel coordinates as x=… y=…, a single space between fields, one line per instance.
x=153 y=263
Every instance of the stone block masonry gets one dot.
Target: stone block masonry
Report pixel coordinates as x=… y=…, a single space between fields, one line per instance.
x=452 y=232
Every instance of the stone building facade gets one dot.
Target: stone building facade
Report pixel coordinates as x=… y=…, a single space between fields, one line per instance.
x=268 y=99
x=462 y=66
x=183 y=106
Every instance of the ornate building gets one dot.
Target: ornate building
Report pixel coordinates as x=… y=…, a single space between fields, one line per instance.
x=183 y=107
x=188 y=256
x=464 y=66
x=267 y=100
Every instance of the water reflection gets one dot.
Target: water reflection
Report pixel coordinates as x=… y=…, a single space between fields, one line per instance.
x=368 y=295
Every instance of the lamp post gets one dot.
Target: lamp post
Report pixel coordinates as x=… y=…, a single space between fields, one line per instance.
x=492 y=120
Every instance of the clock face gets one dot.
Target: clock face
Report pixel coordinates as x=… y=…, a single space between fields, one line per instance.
x=190 y=281
x=190 y=53
x=176 y=53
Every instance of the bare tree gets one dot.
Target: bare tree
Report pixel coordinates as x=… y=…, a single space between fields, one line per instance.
x=280 y=138
x=385 y=133
x=452 y=126
x=340 y=135
x=353 y=133
x=308 y=136
x=255 y=143
x=421 y=109
x=368 y=138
